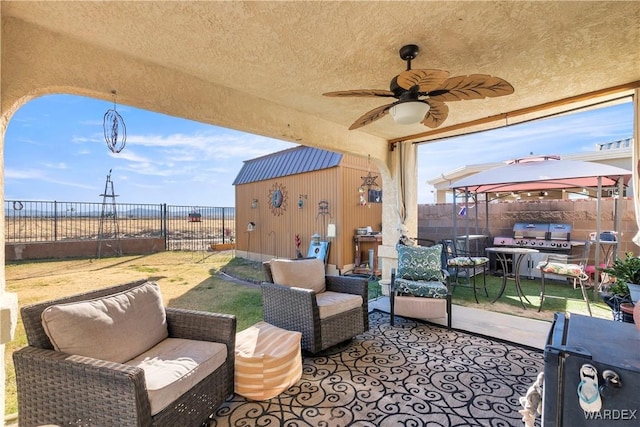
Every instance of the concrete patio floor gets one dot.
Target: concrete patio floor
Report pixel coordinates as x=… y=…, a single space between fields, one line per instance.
x=519 y=330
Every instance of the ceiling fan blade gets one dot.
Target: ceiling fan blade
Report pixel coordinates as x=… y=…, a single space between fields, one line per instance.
x=427 y=80
x=371 y=116
x=473 y=86
x=361 y=93
x=437 y=113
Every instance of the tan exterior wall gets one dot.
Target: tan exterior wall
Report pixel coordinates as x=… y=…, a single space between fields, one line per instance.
x=274 y=234
x=435 y=222
x=86 y=249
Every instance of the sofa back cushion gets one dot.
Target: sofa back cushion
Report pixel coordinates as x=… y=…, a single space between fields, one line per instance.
x=420 y=263
x=299 y=273
x=115 y=328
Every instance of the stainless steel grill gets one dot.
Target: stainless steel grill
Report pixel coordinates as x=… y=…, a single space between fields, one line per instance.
x=544 y=236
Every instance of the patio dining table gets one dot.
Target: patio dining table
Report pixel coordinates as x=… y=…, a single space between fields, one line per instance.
x=518 y=255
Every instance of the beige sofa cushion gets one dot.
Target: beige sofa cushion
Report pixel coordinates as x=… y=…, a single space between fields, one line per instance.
x=301 y=273
x=332 y=303
x=116 y=328
x=175 y=365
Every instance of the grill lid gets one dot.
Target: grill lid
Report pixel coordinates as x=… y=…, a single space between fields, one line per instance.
x=524 y=230
x=560 y=231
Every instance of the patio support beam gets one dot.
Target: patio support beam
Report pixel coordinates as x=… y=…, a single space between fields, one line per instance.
x=454 y=130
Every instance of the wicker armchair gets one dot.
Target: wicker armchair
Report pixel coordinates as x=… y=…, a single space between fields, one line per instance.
x=62 y=389
x=297 y=309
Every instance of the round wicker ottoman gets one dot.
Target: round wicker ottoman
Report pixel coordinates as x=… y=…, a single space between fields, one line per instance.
x=268 y=361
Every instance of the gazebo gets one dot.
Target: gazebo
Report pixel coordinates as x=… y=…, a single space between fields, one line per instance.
x=534 y=174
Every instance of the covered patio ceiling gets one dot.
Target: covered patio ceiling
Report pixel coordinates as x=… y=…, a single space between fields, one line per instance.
x=262 y=67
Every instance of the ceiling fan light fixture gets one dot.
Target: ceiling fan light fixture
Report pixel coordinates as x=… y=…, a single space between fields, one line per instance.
x=409 y=113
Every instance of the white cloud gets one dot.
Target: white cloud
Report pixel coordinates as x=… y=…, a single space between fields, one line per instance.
x=59 y=165
x=23 y=174
x=130 y=156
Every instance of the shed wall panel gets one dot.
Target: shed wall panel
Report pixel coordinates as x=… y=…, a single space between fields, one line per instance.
x=274 y=234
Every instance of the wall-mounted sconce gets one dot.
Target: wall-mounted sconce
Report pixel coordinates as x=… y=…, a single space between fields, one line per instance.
x=301 y=200
x=251 y=226
x=254 y=203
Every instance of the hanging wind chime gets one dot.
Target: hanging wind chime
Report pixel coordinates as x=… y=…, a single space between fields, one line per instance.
x=115 y=131
x=367 y=182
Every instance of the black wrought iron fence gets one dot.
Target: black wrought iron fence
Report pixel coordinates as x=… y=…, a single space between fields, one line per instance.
x=197 y=228
x=183 y=227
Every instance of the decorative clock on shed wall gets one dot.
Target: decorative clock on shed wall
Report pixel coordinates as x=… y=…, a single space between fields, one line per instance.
x=278 y=199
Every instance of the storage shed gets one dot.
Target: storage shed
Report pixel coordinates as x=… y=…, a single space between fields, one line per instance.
x=306 y=191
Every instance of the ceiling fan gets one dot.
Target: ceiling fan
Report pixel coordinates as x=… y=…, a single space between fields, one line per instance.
x=421 y=94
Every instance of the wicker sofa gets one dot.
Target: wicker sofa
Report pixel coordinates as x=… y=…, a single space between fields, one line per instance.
x=295 y=306
x=56 y=387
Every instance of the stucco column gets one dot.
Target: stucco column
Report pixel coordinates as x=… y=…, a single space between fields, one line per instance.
x=635 y=181
x=8 y=301
x=403 y=174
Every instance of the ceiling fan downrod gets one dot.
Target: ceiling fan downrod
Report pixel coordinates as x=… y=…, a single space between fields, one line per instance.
x=409 y=52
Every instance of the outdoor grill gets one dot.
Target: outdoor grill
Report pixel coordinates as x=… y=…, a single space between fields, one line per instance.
x=547 y=237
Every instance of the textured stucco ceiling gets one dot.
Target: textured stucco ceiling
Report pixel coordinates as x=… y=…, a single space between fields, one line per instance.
x=262 y=66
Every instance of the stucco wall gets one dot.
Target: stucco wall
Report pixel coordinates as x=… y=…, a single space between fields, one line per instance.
x=86 y=248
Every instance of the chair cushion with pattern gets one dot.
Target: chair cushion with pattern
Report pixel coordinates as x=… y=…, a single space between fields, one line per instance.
x=465 y=261
x=420 y=263
x=423 y=289
x=574 y=270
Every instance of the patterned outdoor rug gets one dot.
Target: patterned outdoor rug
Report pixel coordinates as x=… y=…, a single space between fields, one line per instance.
x=413 y=374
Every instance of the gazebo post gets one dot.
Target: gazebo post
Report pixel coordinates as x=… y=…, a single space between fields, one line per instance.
x=618 y=217
x=596 y=276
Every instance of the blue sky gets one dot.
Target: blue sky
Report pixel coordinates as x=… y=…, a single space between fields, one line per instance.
x=55 y=150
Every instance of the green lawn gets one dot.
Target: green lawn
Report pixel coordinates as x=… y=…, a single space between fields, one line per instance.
x=559 y=296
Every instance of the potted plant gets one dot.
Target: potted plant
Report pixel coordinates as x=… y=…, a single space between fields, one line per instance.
x=626 y=287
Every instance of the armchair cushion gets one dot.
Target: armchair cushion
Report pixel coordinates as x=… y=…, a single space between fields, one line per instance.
x=115 y=328
x=302 y=273
x=332 y=303
x=424 y=289
x=175 y=365
x=420 y=263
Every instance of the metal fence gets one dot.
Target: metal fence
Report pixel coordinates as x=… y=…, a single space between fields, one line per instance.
x=183 y=227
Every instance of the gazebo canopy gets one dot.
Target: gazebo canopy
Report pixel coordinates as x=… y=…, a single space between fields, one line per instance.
x=542 y=174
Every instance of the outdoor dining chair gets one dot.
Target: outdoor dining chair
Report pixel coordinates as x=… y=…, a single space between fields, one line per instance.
x=462 y=264
x=571 y=268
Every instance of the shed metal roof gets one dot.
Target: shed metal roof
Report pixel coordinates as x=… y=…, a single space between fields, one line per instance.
x=292 y=161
